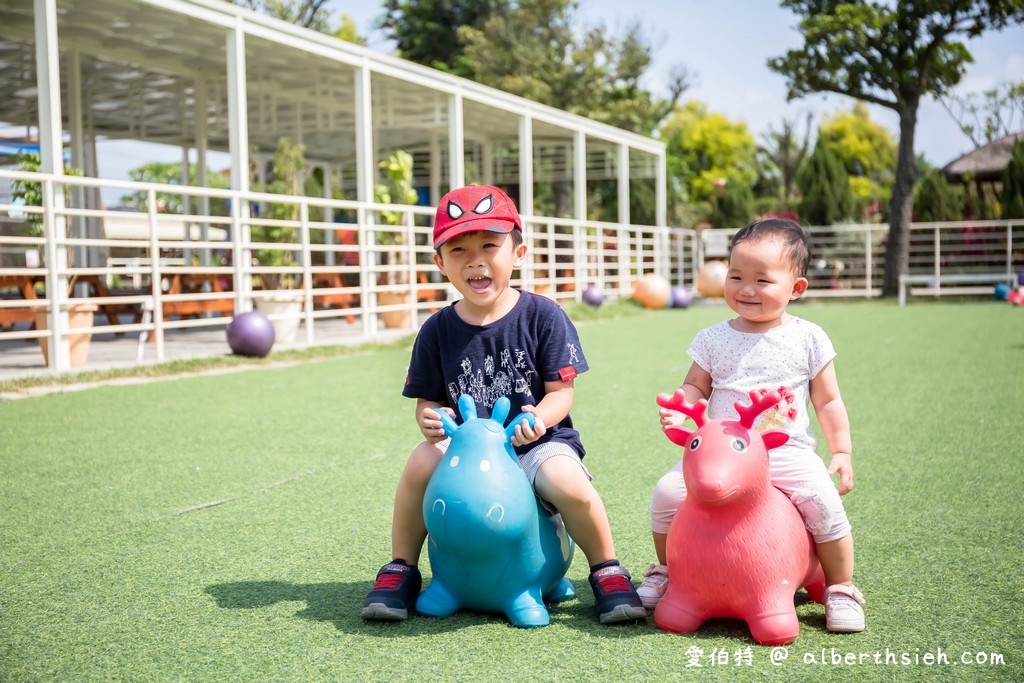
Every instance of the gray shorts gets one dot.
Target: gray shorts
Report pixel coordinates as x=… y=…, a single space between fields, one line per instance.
x=535 y=457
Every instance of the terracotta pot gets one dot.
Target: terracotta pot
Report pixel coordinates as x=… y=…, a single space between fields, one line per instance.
x=79 y=315
x=395 y=319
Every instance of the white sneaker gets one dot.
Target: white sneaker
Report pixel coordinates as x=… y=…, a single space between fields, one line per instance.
x=654 y=585
x=843 y=611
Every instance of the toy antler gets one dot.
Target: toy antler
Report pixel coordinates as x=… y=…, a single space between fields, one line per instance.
x=677 y=401
x=697 y=412
x=759 y=403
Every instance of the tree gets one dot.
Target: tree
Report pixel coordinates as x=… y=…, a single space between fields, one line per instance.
x=825 y=187
x=538 y=50
x=891 y=55
x=306 y=13
x=427 y=32
x=703 y=147
x=1012 y=196
x=1000 y=113
x=935 y=200
x=169 y=173
x=733 y=208
x=781 y=155
x=867 y=152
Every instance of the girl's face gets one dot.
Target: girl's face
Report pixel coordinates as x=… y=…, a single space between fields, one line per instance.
x=479 y=265
x=760 y=284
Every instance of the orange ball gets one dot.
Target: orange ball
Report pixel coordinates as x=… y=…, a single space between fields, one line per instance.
x=652 y=291
x=711 y=279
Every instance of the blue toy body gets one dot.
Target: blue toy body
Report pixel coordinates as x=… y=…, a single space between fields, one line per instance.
x=492 y=546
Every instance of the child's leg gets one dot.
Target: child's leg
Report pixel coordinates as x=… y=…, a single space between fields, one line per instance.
x=398 y=582
x=836 y=559
x=669 y=492
x=563 y=483
x=561 y=480
x=408 y=531
x=804 y=478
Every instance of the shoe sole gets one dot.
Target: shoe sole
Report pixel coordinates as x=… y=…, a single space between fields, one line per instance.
x=847 y=627
x=650 y=603
x=623 y=613
x=378 y=611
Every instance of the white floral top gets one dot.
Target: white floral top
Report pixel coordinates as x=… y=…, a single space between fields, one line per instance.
x=785 y=356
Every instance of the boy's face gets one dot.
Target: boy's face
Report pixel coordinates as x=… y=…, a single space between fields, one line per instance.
x=760 y=283
x=479 y=265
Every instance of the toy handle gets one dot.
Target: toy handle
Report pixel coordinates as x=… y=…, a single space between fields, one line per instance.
x=510 y=431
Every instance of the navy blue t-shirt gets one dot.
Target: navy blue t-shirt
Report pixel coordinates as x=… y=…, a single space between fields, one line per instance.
x=533 y=343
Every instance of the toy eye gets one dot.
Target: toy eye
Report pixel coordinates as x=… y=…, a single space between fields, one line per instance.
x=738 y=445
x=695 y=443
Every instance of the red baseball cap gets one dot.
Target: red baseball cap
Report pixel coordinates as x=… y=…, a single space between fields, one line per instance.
x=472 y=209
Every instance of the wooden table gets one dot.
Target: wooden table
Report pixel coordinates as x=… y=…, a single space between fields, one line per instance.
x=25 y=284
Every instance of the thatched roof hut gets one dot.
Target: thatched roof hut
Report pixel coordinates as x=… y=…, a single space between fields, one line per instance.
x=984 y=166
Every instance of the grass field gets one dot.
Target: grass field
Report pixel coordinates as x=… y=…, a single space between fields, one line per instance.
x=227 y=527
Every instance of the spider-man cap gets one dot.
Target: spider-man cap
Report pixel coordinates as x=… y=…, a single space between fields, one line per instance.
x=472 y=209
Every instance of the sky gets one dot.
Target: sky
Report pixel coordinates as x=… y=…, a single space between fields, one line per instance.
x=727 y=44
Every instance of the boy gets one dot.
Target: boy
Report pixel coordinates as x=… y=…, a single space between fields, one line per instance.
x=766 y=347
x=498 y=341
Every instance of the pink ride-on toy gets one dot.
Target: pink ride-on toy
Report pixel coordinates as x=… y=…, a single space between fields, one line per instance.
x=737 y=547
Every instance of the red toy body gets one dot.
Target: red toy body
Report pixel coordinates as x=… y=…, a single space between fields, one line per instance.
x=737 y=547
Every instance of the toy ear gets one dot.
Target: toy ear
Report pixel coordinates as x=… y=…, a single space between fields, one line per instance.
x=510 y=431
x=500 y=410
x=467 y=408
x=680 y=436
x=449 y=424
x=774 y=439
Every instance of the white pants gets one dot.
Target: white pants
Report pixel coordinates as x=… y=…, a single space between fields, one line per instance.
x=798 y=473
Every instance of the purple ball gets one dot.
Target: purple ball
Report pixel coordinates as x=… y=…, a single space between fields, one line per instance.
x=681 y=297
x=251 y=334
x=593 y=295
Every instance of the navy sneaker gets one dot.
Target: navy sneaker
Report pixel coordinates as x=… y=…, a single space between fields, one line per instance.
x=394 y=593
x=615 y=597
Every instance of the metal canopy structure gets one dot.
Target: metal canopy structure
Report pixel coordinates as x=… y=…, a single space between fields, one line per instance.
x=177 y=71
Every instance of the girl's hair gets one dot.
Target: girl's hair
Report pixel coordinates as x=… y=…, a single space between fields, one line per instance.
x=789 y=233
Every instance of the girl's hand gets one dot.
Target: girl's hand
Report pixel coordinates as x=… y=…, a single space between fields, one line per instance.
x=430 y=424
x=843 y=464
x=526 y=434
x=671 y=418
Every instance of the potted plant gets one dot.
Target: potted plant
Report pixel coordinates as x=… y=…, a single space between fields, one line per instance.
x=397 y=188
x=30 y=193
x=284 y=307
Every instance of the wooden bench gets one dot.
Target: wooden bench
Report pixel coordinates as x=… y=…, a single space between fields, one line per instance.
x=952 y=284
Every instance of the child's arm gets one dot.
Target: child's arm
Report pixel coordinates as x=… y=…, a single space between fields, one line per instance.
x=552 y=409
x=835 y=425
x=428 y=421
x=696 y=385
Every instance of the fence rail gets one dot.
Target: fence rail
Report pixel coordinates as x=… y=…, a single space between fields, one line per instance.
x=151 y=272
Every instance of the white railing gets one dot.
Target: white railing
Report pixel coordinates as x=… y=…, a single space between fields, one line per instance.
x=342 y=259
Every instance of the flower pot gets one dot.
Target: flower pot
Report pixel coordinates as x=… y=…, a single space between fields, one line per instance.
x=79 y=315
x=289 y=308
x=398 y=318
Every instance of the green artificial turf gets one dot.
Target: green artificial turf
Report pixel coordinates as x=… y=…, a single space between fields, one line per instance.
x=227 y=527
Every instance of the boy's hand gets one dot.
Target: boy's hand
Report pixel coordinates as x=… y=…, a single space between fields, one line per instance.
x=524 y=433
x=430 y=424
x=843 y=464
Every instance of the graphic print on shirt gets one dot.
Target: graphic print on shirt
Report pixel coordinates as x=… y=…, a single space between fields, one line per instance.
x=490 y=383
x=776 y=417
